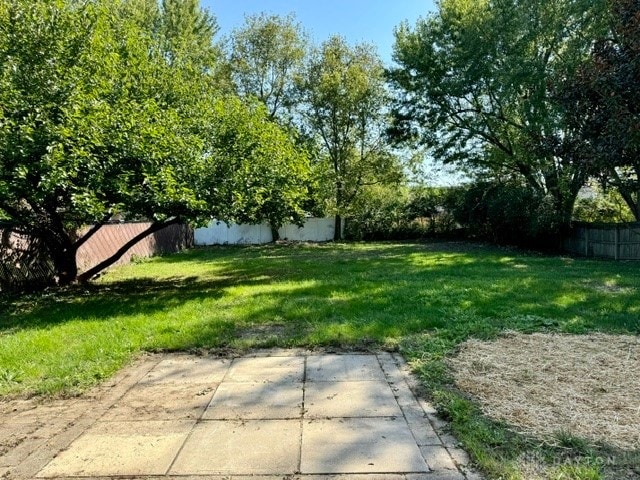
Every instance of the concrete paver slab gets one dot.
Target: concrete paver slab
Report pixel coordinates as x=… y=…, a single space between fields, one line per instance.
x=20 y=451
x=188 y=369
x=249 y=447
x=161 y=401
x=24 y=413
x=361 y=476
x=255 y=401
x=438 y=457
x=278 y=370
x=442 y=475
x=459 y=456
x=121 y=448
x=343 y=368
x=14 y=438
x=424 y=433
x=350 y=399
x=28 y=430
x=359 y=445
x=420 y=426
x=299 y=415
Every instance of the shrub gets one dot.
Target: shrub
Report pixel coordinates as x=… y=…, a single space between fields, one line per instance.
x=377 y=214
x=505 y=213
x=400 y=213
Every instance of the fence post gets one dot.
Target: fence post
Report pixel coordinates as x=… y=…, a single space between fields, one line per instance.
x=586 y=241
x=617 y=243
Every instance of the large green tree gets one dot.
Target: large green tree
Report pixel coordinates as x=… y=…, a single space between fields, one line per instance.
x=343 y=99
x=265 y=175
x=473 y=83
x=110 y=107
x=267 y=54
x=603 y=104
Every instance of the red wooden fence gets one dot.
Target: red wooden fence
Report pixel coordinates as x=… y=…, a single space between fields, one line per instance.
x=106 y=241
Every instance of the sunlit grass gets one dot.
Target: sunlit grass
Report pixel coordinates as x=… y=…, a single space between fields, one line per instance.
x=324 y=295
x=424 y=299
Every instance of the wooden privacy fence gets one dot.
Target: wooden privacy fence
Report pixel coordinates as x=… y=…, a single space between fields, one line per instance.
x=620 y=241
x=106 y=241
x=22 y=261
x=19 y=268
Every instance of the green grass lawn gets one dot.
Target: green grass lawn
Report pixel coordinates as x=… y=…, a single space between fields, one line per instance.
x=423 y=299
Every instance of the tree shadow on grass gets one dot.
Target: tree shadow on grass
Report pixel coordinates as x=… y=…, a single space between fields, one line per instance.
x=104 y=301
x=341 y=293
x=423 y=298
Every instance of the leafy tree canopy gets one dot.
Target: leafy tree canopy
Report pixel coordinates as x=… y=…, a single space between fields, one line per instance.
x=603 y=103
x=266 y=176
x=266 y=56
x=111 y=107
x=343 y=106
x=473 y=83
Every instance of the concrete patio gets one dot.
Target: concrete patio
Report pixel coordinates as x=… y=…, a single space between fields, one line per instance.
x=282 y=414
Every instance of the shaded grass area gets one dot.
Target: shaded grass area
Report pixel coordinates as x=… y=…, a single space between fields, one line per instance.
x=423 y=299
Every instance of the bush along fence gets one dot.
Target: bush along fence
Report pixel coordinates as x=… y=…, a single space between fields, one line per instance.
x=620 y=241
x=25 y=264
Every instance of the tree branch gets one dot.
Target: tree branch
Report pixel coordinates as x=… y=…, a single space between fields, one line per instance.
x=97 y=226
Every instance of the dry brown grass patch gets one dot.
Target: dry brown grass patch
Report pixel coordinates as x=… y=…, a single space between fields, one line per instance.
x=587 y=386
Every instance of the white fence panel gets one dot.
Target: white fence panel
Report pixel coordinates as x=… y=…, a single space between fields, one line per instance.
x=314 y=230
x=220 y=233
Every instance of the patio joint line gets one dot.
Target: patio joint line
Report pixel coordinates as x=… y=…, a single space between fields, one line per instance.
x=198 y=421
x=397 y=365
x=302 y=413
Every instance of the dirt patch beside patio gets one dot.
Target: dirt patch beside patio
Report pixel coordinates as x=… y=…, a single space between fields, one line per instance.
x=586 y=386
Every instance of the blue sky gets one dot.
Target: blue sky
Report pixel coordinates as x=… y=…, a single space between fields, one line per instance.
x=370 y=21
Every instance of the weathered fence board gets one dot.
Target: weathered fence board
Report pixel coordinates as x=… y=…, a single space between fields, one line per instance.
x=619 y=241
x=106 y=241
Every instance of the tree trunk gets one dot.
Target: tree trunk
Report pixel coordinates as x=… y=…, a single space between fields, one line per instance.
x=628 y=198
x=337 y=234
x=63 y=256
x=275 y=235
